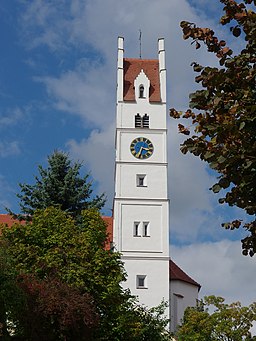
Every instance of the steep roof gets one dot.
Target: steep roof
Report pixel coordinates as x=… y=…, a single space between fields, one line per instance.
x=177 y=274
x=132 y=68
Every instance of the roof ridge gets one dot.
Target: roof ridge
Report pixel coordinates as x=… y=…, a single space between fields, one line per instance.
x=176 y=273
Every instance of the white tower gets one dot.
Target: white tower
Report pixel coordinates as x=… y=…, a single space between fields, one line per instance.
x=141 y=205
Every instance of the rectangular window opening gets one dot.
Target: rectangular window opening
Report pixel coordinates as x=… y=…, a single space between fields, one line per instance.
x=141 y=180
x=138 y=121
x=136 y=229
x=145 y=121
x=141 y=282
x=146 y=229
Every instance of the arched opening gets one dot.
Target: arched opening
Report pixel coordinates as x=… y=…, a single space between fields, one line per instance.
x=141 y=91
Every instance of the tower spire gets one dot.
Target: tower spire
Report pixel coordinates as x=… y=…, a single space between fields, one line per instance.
x=140 y=37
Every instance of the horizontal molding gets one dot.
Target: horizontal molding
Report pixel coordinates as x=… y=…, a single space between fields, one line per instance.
x=146 y=200
x=165 y=258
x=141 y=162
x=142 y=131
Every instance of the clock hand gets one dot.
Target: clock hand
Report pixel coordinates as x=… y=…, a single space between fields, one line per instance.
x=139 y=152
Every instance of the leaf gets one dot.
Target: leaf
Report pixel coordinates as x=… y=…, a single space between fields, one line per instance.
x=216 y=188
x=242 y=125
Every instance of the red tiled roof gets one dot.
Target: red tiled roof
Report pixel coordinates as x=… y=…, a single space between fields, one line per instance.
x=109 y=222
x=132 y=68
x=8 y=220
x=177 y=274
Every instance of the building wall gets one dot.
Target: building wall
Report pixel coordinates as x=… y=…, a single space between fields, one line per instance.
x=182 y=295
x=146 y=257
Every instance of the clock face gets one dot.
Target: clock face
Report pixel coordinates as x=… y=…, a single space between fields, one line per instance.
x=141 y=148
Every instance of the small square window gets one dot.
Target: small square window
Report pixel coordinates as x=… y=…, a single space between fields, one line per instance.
x=141 y=282
x=141 y=180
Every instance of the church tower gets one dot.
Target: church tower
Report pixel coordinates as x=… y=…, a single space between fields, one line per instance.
x=141 y=205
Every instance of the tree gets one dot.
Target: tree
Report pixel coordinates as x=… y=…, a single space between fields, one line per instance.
x=59 y=184
x=72 y=283
x=227 y=321
x=12 y=299
x=69 y=278
x=225 y=121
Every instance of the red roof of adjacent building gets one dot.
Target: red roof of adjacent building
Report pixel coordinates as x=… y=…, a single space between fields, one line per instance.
x=8 y=220
x=132 y=68
x=177 y=274
x=109 y=222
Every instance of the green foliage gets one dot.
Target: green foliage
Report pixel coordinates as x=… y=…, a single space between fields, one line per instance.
x=58 y=280
x=225 y=120
x=71 y=283
x=12 y=299
x=53 y=248
x=135 y=322
x=227 y=321
x=61 y=185
x=53 y=244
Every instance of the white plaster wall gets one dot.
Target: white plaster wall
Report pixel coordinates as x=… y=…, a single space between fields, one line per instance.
x=142 y=213
x=157 y=272
x=142 y=255
x=178 y=305
x=156 y=213
x=156 y=181
x=127 y=111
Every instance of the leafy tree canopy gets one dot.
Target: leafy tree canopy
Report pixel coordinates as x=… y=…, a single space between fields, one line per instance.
x=72 y=283
x=68 y=276
x=227 y=321
x=59 y=184
x=224 y=120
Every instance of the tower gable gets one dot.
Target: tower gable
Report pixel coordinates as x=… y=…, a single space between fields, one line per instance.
x=141 y=86
x=134 y=70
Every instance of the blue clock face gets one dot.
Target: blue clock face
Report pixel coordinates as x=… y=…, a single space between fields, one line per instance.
x=141 y=148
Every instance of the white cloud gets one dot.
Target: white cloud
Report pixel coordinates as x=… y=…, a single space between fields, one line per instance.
x=11 y=117
x=85 y=92
x=220 y=268
x=99 y=155
x=9 y=148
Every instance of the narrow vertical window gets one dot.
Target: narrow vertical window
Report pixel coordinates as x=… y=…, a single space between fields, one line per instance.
x=141 y=180
x=138 y=121
x=136 y=229
x=141 y=91
x=141 y=282
x=146 y=229
x=145 y=121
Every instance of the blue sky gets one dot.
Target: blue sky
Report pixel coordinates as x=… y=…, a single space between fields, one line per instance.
x=57 y=91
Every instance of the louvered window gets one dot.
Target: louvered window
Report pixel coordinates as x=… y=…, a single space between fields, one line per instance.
x=138 y=121
x=145 y=121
